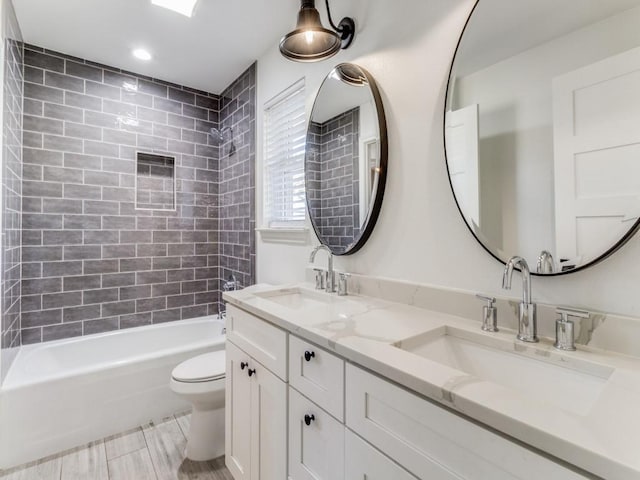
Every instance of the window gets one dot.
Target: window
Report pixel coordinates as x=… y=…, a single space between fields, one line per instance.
x=284 y=143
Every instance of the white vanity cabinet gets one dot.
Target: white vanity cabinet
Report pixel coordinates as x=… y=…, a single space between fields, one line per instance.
x=256 y=401
x=336 y=421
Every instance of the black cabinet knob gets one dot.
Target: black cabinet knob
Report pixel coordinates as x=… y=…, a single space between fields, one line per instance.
x=251 y=371
x=309 y=418
x=309 y=355
x=243 y=365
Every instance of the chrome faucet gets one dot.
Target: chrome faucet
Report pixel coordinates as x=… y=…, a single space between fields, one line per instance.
x=231 y=284
x=527 y=328
x=330 y=285
x=545 y=262
x=228 y=286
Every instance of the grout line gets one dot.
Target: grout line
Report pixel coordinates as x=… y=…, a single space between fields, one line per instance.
x=175 y=417
x=153 y=464
x=108 y=470
x=128 y=453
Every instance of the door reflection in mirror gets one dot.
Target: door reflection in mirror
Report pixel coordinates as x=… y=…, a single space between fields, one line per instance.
x=551 y=161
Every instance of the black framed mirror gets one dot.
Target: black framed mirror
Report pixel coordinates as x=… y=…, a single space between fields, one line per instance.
x=346 y=159
x=541 y=129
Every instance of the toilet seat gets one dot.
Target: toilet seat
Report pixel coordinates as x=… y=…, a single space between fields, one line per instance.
x=203 y=368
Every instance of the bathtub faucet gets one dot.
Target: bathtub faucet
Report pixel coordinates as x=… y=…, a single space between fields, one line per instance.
x=230 y=285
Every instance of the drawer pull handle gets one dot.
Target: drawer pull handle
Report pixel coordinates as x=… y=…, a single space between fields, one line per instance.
x=251 y=371
x=309 y=355
x=243 y=365
x=309 y=418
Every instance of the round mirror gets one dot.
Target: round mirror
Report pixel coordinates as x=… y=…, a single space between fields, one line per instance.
x=346 y=159
x=542 y=129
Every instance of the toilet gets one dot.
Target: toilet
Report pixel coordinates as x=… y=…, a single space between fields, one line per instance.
x=200 y=380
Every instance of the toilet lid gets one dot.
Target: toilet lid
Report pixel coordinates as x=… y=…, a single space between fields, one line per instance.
x=203 y=368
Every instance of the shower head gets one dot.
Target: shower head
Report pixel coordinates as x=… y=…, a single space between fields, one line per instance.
x=220 y=136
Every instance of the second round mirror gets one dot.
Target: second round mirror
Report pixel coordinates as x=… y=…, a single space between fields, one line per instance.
x=541 y=129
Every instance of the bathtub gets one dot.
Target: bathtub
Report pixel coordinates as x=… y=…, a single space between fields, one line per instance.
x=62 y=394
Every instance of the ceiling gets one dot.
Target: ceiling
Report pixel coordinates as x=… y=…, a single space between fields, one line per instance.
x=207 y=51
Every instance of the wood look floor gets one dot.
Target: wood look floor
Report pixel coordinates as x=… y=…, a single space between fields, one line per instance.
x=151 y=452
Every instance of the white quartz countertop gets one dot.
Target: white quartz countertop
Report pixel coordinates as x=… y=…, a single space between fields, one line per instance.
x=601 y=436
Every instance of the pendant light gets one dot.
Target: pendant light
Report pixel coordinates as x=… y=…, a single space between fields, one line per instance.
x=310 y=41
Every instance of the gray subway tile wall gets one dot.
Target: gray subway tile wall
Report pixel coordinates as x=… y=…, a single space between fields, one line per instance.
x=10 y=239
x=333 y=178
x=237 y=179
x=93 y=260
x=313 y=169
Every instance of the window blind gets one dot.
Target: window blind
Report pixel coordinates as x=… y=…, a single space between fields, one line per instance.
x=284 y=142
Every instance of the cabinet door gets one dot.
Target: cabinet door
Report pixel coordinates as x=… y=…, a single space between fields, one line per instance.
x=367 y=463
x=316 y=450
x=237 y=414
x=268 y=425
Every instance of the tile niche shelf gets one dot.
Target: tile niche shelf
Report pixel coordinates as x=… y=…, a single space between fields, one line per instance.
x=155 y=182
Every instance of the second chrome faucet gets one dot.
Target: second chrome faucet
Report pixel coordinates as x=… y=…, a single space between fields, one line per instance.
x=527 y=327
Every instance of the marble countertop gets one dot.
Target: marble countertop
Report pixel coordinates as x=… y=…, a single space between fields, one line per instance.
x=601 y=436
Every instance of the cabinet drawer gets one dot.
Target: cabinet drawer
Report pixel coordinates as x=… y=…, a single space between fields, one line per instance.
x=432 y=442
x=366 y=463
x=316 y=451
x=264 y=342
x=317 y=374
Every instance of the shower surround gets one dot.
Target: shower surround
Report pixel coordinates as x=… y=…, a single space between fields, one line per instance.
x=91 y=260
x=236 y=188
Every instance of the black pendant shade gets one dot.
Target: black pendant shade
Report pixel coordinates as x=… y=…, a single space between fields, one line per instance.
x=310 y=41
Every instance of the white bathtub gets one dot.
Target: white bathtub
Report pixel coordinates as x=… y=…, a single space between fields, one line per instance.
x=61 y=394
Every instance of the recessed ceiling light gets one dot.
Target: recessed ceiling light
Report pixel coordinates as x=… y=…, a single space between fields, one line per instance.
x=183 y=7
x=142 y=54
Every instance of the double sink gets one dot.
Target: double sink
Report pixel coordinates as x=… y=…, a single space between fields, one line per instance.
x=554 y=378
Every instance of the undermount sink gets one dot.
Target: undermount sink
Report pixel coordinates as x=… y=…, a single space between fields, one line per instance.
x=532 y=371
x=297 y=298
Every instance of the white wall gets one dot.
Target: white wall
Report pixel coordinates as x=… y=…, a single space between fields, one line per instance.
x=420 y=236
